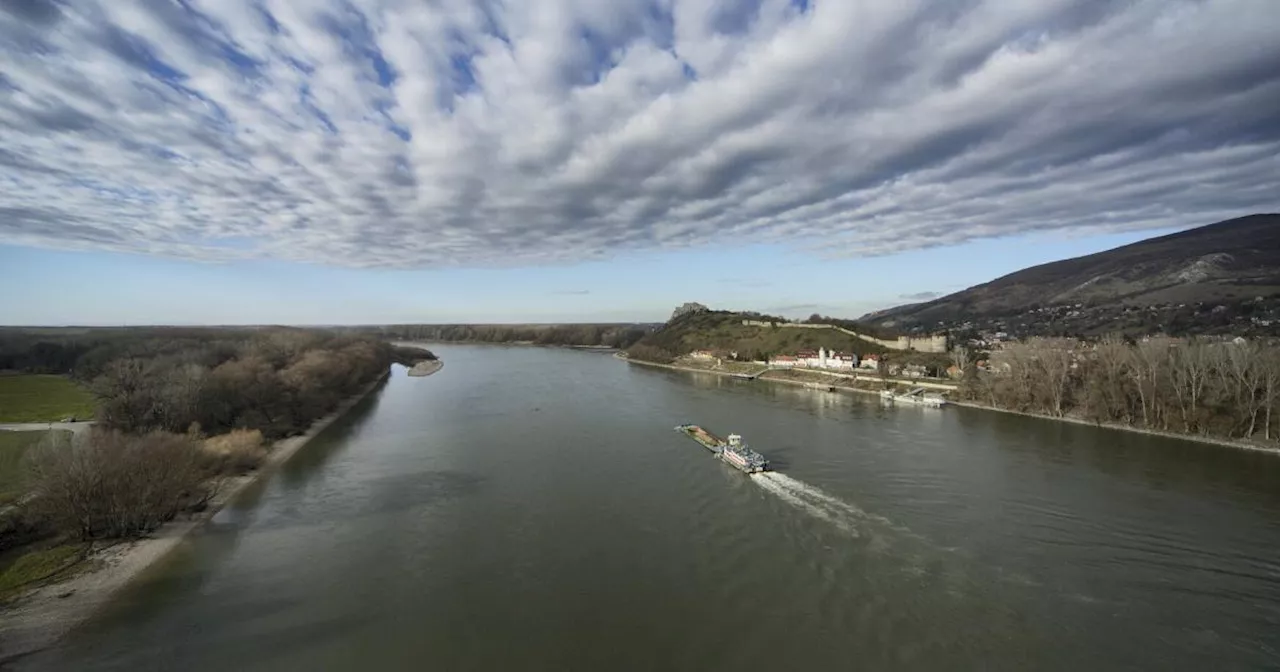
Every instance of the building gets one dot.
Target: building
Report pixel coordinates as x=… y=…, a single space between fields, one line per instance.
x=870 y=363
x=819 y=359
x=702 y=354
x=783 y=361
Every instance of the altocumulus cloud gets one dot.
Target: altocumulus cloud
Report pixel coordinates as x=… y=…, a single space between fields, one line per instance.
x=408 y=133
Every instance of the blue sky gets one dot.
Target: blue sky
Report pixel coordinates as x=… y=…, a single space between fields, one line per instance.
x=121 y=288
x=341 y=161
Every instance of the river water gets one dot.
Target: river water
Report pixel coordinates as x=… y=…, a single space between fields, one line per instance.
x=532 y=509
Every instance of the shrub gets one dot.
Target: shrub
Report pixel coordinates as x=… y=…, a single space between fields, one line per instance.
x=112 y=485
x=235 y=452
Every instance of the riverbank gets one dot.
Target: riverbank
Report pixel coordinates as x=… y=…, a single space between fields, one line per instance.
x=528 y=344
x=44 y=615
x=1196 y=438
x=1228 y=443
x=765 y=376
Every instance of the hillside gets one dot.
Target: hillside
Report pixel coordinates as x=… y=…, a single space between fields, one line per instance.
x=1223 y=264
x=724 y=331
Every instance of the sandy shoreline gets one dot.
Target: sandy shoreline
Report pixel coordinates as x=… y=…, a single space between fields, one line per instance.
x=426 y=368
x=1239 y=445
x=41 y=617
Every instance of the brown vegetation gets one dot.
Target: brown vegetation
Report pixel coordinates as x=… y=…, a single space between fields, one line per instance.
x=112 y=485
x=607 y=335
x=235 y=452
x=278 y=383
x=1220 y=389
x=161 y=391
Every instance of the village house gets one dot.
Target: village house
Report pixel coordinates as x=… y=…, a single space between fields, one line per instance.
x=870 y=362
x=821 y=359
x=702 y=354
x=914 y=371
x=783 y=361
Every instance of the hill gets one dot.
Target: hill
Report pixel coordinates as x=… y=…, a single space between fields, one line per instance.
x=1183 y=277
x=724 y=331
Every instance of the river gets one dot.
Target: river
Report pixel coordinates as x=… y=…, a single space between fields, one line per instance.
x=532 y=509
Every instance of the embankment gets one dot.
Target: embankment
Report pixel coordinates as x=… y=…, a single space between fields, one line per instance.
x=766 y=376
x=1216 y=441
x=1241 y=445
x=41 y=617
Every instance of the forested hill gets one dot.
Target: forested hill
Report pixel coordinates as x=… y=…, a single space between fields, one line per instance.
x=1195 y=276
x=702 y=329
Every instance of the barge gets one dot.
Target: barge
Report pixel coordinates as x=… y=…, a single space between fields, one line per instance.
x=732 y=450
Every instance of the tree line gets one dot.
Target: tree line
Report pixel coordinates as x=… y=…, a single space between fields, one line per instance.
x=177 y=410
x=609 y=335
x=1212 y=388
x=276 y=380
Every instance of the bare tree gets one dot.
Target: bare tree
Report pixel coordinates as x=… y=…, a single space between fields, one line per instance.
x=1189 y=371
x=1054 y=360
x=1147 y=367
x=1270 y=387
x=114 y=485
x=1242 y=373
x=1107 y=394
x=961 y=358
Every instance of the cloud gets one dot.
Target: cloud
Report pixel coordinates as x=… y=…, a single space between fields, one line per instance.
x=920 y=296
x=404 y=134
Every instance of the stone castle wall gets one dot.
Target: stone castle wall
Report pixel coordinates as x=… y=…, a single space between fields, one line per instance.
x=934 y=343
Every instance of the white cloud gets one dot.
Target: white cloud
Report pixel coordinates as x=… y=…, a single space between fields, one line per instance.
x=400 y=133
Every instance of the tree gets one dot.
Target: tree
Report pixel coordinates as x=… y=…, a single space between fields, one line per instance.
x=960 y=358
x=1189 y=368
x=114 y=485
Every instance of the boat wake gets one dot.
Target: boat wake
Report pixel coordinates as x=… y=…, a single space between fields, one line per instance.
x=819 y=504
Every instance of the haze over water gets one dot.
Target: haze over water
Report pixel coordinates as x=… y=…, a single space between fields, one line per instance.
x=531 y=509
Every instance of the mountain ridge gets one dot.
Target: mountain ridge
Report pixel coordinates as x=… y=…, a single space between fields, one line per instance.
x=1229 y=261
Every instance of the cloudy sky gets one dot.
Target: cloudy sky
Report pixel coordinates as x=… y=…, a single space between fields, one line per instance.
x=332 y=161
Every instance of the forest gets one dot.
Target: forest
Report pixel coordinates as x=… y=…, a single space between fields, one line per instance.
x=1228 y=389
x=597 y=335
x=277 y=380
x=178 y=411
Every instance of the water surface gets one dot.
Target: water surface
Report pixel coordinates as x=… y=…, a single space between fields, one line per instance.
x=532 y=509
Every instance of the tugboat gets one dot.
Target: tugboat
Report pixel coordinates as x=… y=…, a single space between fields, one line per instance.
x=732 y=450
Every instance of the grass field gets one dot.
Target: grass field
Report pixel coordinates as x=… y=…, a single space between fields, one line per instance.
x=13 y=445
x=31 y=398
x=38 y=565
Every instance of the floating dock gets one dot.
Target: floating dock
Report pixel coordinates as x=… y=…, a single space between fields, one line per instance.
x=916 y=396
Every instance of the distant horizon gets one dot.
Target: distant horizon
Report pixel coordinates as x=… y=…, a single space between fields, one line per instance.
x=799 y=311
